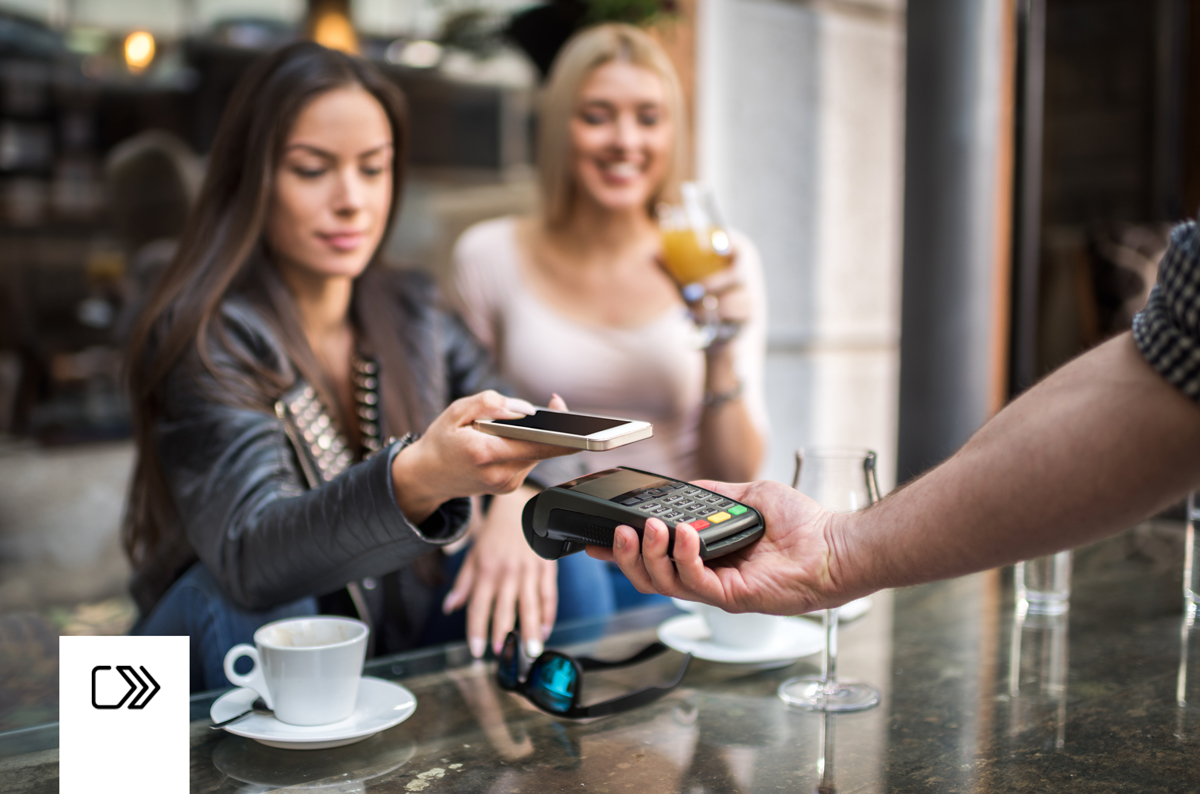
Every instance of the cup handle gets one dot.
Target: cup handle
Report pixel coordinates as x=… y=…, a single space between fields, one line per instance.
x=252 y=680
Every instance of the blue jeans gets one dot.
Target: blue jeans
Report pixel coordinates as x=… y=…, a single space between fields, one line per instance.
x=197 y=607
x=625 y=595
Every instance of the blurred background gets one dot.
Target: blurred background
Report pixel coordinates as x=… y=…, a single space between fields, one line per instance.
x=951 y=197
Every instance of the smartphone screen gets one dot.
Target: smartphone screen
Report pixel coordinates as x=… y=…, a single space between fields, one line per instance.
x=573 y=424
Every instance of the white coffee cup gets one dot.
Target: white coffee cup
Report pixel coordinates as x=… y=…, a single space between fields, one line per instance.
x=306 y=669
x=745 y=631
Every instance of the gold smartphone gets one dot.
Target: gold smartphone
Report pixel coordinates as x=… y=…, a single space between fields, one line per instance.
x=564 y=429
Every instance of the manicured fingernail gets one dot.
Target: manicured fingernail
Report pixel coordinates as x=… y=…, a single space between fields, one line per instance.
x=448 y=604
x=518 y=406
x=533 y=648
x=619 y=540
x=477 y=646
x=546 y=629
x=555 y=396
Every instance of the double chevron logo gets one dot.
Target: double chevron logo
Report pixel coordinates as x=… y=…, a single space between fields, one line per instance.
x=136 y=684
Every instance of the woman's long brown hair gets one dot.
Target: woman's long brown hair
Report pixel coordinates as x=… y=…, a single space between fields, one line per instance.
x=222 y=249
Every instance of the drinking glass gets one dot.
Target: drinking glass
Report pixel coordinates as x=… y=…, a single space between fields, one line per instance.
x=826 y=784
x=842 y=480
x=1037 y=680
x=696 y=245
x=1191 y=573
x=1043 y=584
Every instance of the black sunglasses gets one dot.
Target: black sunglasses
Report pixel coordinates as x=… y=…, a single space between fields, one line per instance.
x=552 y=681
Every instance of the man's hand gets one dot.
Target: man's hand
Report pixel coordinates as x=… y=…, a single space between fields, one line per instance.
x=789 y=571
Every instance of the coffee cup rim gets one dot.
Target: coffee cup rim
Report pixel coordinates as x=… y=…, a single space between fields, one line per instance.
x=327 y=618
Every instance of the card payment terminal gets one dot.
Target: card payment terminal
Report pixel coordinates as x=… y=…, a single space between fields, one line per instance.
x=563 y=519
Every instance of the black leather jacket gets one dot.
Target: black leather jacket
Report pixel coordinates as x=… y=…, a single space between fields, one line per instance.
x=245 y=507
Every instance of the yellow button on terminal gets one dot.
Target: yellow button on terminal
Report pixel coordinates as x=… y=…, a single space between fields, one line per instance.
x=717 y=518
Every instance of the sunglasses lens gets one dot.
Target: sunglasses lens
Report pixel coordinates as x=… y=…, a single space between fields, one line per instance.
x=553 y=683
x=508 y=667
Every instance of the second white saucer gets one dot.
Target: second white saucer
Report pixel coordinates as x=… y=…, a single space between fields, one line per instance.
x=690 y=634
x=380 y=705
x=846 y=612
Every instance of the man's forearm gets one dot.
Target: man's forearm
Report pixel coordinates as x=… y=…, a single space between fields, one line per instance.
x=1097 y=446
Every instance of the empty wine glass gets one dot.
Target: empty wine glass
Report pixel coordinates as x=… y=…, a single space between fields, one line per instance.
x=827 y=784
x=842 y=480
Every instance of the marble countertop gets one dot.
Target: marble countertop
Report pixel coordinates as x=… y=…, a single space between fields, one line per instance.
x=974 y=700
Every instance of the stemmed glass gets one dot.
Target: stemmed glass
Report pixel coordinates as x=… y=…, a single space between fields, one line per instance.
x=841 y=480
x=826 y=785
x=695 y=246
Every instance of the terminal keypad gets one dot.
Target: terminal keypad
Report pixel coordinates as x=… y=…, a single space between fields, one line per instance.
x=678 y=502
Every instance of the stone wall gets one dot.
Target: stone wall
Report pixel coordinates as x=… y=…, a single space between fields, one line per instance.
x=800 y=130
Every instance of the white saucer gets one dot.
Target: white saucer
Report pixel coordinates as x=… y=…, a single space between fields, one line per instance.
x=846 y=612
x=689 y=634
x=380 y=705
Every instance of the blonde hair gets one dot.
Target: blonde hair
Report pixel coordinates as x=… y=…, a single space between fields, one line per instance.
x=584 y=53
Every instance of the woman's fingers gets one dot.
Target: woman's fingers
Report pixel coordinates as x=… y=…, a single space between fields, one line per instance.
x=530 y=610
x=479 y=614
x=549 y=592
x=488 y=405
x=734 y=304
x=504 y=613
x=462 y=585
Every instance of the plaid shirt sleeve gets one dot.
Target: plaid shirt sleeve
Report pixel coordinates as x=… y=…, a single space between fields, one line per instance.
x=1167 y=331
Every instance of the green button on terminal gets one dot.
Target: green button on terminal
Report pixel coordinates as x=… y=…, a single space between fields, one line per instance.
x=737 y=510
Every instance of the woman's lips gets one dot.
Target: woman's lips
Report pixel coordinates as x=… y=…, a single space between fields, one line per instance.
x=342 y=241
x=619 y=173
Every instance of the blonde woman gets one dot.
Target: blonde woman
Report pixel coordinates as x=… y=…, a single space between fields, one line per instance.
x=574 y=296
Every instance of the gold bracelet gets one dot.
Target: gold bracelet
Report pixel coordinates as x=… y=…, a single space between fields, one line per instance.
x=717 y=399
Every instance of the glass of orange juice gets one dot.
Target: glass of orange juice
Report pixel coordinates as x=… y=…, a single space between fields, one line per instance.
x=695 y=242
x=696 y=245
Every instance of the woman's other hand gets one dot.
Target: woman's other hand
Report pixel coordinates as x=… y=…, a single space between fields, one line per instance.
x=502 y=579
x=720 y=298
x=723 y=298
x=453 y=459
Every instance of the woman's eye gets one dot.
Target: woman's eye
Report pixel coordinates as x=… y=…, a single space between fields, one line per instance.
x=594 y=117
x=371 y=170
x=307 y=173
x=648 y=119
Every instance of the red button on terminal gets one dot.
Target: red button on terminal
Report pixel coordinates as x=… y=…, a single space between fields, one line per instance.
x=699 y=524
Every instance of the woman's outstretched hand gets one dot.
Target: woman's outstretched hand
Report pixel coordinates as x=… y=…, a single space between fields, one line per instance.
x=453 y=459
x=502 y=579
x=792 y=569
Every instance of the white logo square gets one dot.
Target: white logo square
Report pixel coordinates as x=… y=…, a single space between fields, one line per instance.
x=123 y=715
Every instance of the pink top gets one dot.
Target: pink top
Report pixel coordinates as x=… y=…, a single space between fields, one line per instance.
x=652 y=372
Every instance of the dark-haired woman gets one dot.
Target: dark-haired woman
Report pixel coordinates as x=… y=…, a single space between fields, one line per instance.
x=272 y=369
